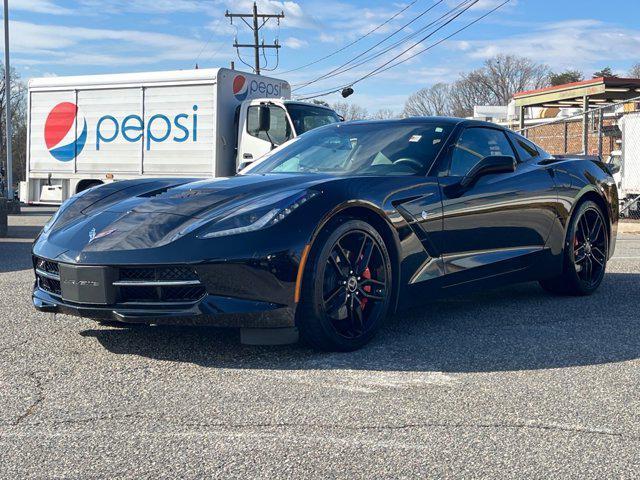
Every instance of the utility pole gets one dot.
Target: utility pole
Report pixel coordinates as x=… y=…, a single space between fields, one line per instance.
x=255 y=16
x=7 y=102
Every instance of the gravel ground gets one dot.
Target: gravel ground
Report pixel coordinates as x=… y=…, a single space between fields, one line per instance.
x=505 y=383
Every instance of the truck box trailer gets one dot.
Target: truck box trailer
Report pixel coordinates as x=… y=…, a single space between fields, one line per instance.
x=86 y=130
x=630 y=172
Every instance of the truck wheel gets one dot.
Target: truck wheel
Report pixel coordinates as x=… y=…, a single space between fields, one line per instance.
x=586 y=251
x=346 y=288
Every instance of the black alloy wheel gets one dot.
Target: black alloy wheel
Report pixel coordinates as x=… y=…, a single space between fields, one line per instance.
x=346 y=288
x=585 y=254
x=590 y=247
x=354 y=283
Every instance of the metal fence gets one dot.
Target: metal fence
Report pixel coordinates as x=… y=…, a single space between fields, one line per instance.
x=610 y=131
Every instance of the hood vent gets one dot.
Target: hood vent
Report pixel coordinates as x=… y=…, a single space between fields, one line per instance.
x=155 y=193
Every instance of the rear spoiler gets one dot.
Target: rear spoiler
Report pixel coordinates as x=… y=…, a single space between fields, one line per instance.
x=595 y=158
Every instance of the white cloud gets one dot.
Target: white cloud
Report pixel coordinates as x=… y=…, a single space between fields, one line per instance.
x=146 y=6
x=484 y=4
x=39 y=6
x=36 y=44
x=295 y=43
x=578 y=44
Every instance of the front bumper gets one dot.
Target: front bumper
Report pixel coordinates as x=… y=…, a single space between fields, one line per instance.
x=210 y=310
x=250 y=294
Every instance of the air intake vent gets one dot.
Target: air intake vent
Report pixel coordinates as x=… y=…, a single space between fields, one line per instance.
x=170 y=283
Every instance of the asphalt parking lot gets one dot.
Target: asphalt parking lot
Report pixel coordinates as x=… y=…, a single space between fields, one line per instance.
x=506 y=383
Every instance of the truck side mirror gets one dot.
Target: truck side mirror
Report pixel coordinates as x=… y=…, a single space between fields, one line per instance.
x=244 y=165
x=264 y=118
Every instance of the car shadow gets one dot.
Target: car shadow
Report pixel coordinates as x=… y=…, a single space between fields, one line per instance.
x=515 y=328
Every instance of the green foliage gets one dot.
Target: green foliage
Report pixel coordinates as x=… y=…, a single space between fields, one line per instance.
x=568 y=76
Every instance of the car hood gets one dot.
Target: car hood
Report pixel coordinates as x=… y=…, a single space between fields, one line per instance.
x=151 y=214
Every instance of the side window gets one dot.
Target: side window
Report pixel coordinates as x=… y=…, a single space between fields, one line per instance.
x=279 y=131
x=473 y=145
x=526 y=150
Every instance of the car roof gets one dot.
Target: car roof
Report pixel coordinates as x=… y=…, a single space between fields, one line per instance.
x=454 y=121
x=307 y=104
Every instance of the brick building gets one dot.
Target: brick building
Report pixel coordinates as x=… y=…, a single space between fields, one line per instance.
x=594 y=131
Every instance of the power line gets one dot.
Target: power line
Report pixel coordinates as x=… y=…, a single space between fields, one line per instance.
x=361 y=61
x=335 y=52
x=208 y=41
x=330 y=73
x=443 y=20
x=384 y=67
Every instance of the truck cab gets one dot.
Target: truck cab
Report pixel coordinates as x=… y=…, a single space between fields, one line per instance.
x=266 y=123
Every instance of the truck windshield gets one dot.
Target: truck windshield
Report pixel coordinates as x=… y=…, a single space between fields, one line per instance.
x=385 y=148
x=308 y=117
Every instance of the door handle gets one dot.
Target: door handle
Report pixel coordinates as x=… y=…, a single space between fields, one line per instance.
x=247 y=156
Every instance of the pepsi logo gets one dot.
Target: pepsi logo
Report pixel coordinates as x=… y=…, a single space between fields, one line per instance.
x=60 y=132
x=240 y=87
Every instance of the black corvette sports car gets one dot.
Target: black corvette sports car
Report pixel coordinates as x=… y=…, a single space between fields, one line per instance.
x=332 y=231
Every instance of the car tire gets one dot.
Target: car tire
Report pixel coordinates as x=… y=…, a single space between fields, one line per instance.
x=349 y=262
x=585 y=253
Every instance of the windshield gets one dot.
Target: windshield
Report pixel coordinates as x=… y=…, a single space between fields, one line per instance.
x=307 y=117
x=368 y=148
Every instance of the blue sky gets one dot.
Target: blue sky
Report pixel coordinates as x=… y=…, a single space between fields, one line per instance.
x=56 y=37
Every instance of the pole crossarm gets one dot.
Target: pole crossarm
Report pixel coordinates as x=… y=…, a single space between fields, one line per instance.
x=255 y=28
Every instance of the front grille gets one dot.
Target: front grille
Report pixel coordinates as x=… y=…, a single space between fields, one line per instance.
x=138 y=292
x=48 y=275
x=47 y=266
x=168 y=273
x=50 y=285
x=187 y=293
x=170 y=283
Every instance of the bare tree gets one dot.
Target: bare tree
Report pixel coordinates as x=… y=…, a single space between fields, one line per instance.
x=350 y=111
x=635 y=71
x=505 y=75
x=466 y=93
x=434 y=100
x=19 y=123
x=494 y=83
x=383 y=114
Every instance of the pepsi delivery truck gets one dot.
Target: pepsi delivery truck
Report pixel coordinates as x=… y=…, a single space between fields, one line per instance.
x=87 y=130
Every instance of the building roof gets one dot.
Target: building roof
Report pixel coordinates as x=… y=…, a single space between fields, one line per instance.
x=599 y=90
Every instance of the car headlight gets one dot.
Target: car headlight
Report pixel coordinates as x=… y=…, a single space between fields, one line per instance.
x=257 y=215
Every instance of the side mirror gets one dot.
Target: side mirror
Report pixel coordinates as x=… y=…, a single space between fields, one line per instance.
x=264 y=118
x=615 y=166
x=488 y=165
x=244 y=165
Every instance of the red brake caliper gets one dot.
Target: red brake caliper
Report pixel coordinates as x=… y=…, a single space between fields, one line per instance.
x=367 y=288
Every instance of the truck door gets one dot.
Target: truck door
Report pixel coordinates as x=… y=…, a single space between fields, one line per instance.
x=254 y=142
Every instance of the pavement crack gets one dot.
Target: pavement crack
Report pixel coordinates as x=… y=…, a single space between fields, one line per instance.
x=33 y=407
x=408 y=426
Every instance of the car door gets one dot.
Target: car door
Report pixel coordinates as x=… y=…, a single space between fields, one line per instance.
x=502 y=217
